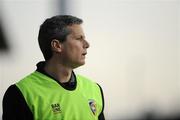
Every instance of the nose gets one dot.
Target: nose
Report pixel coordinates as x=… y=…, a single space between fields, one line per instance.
x=86 y=44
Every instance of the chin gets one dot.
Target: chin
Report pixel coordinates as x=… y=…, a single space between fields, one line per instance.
x=78 y=64
x=82 y=63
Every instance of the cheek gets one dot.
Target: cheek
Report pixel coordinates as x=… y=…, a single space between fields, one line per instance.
x=73 y=49
x=73 y=52
x=76 y=48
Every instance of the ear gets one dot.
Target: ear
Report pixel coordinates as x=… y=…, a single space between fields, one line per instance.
x=56 y=46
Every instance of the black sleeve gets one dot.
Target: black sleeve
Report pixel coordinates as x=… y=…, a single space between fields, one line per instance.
x=15 y=106
x=101 y=116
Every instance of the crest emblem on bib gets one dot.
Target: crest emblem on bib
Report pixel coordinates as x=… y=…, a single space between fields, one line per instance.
x=92 y=105
x=56 y=108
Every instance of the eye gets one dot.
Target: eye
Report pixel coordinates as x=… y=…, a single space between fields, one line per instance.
x=81 y=38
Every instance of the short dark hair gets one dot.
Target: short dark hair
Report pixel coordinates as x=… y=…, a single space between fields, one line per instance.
x=55 y=28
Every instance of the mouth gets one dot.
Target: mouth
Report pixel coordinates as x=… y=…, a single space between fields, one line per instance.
x=84 y=54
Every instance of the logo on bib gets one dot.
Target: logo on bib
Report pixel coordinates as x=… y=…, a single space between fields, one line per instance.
x=56 y=108
x=92 y=105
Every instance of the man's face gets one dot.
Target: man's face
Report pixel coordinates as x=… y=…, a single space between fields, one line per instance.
x=74 y=49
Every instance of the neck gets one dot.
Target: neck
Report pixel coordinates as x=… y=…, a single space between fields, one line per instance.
x=58 y=71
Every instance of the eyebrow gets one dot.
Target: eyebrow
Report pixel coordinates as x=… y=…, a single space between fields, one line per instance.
x=81 y=36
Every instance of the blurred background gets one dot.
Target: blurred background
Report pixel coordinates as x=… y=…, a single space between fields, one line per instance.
x=134 y=53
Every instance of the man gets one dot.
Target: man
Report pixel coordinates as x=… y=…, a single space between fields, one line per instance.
x=54 y=91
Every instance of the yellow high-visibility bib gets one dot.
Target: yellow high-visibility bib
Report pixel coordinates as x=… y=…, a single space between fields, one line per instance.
x=48 y=100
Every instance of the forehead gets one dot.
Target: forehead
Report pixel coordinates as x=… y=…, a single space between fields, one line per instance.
x=76 y=29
